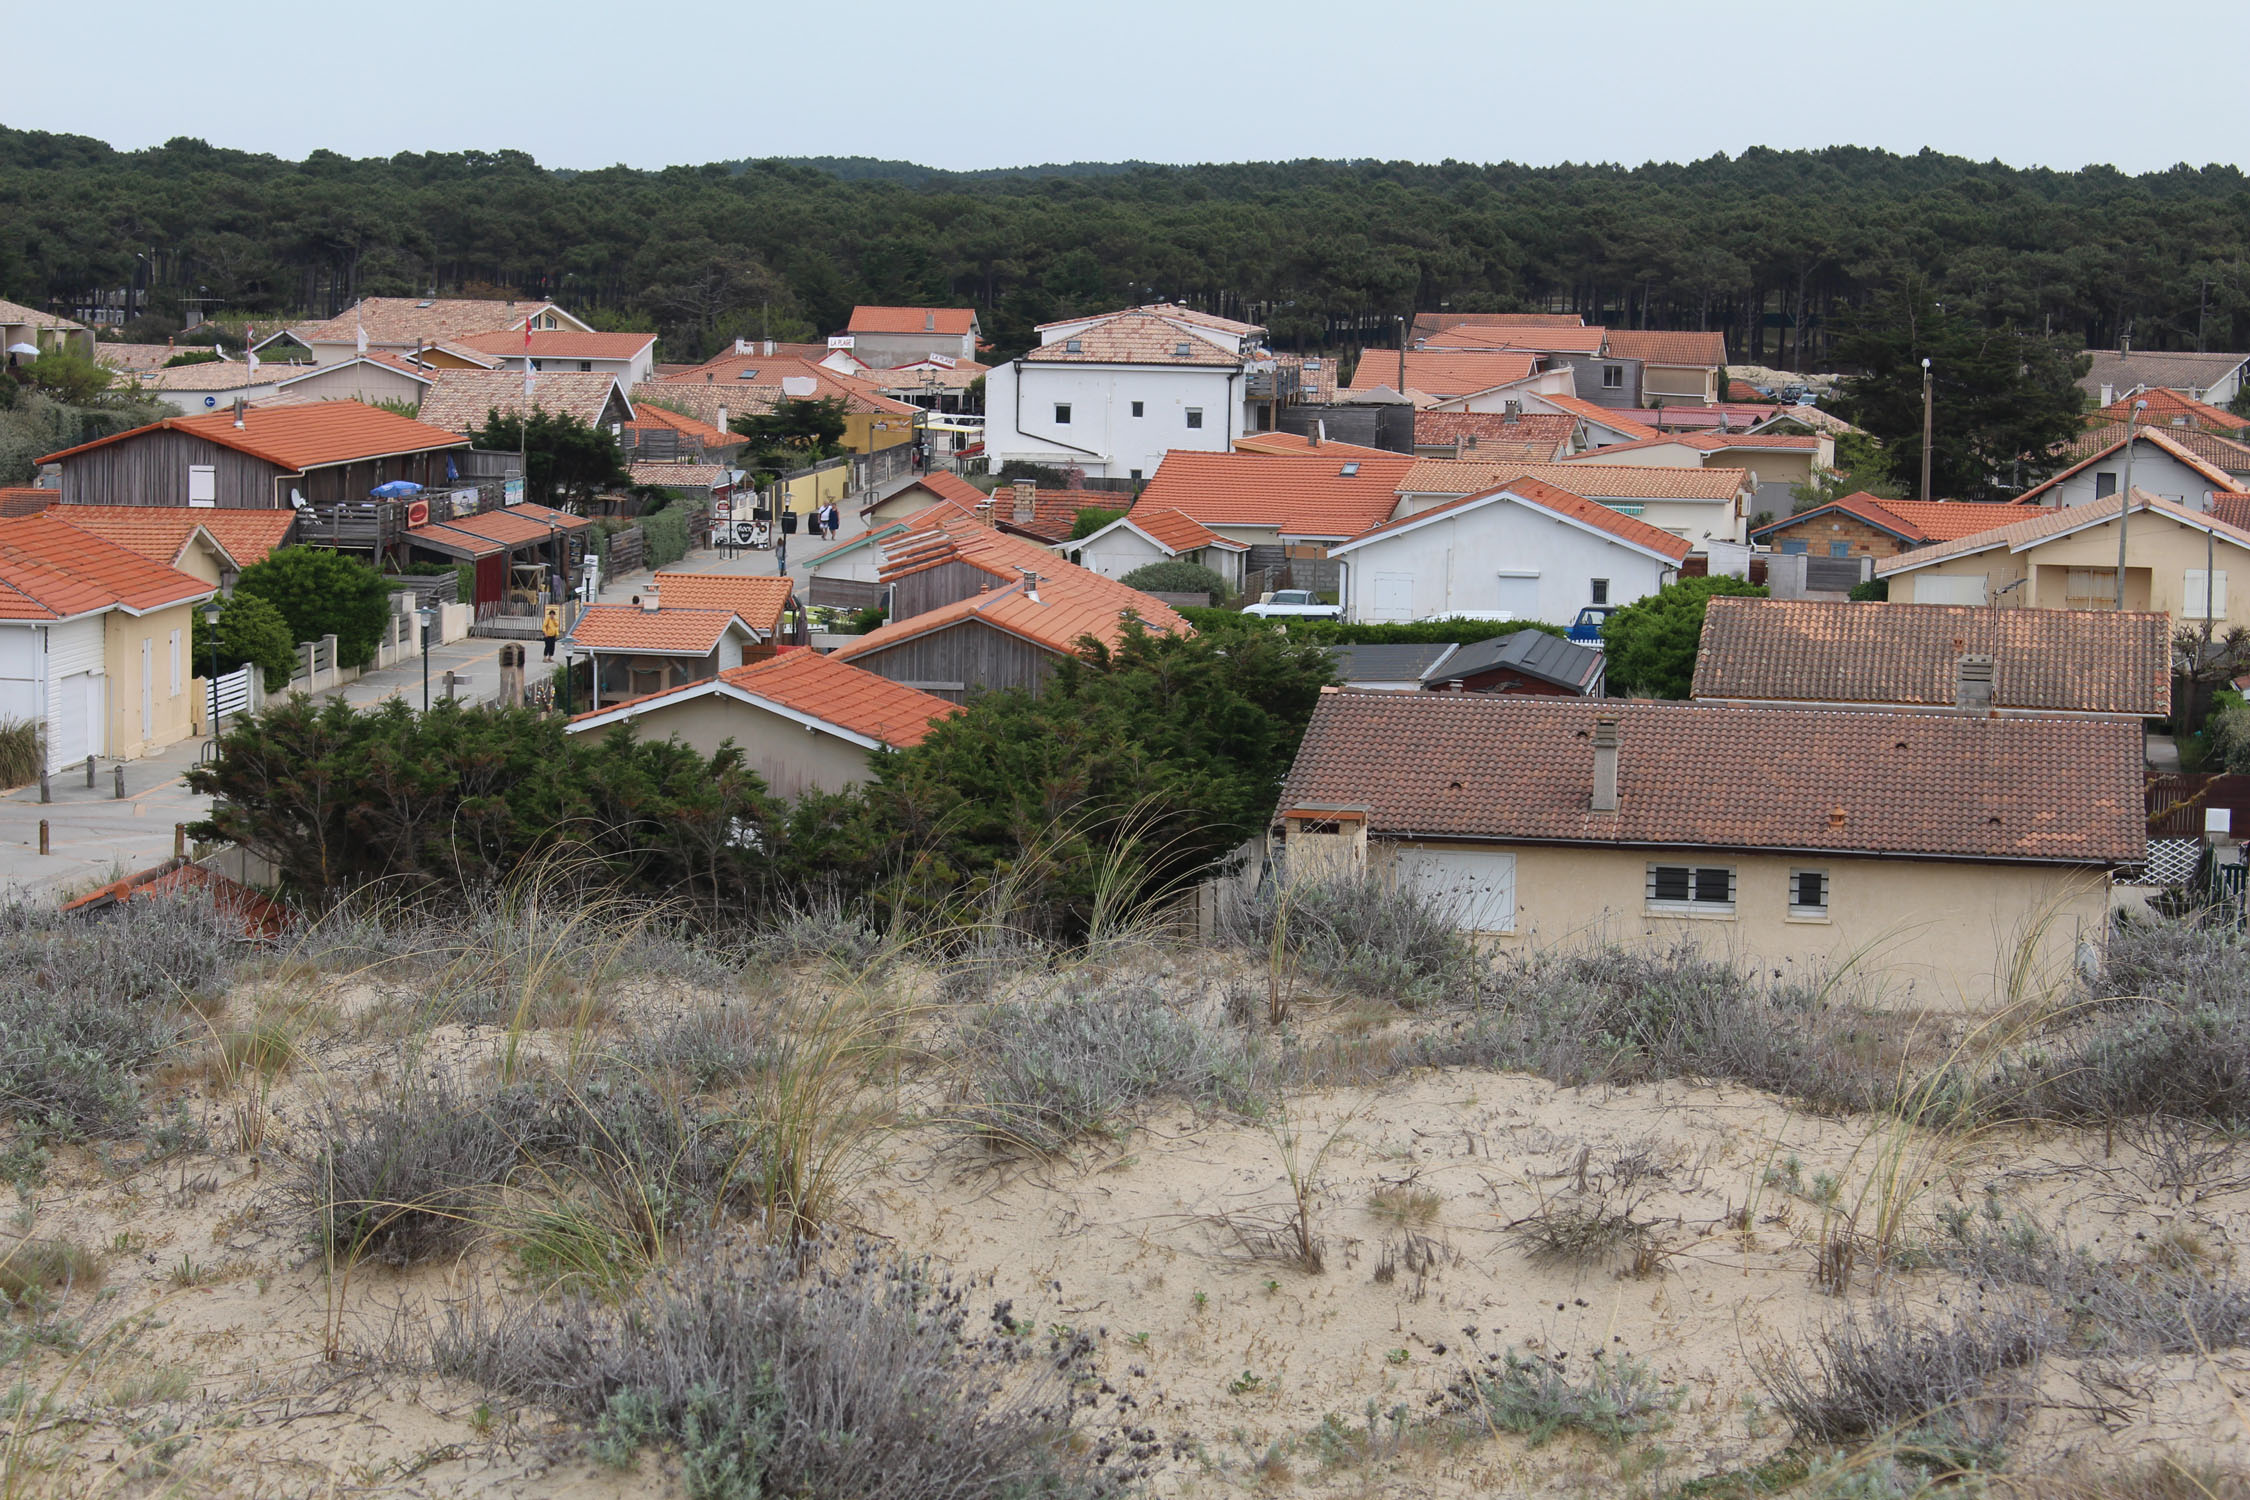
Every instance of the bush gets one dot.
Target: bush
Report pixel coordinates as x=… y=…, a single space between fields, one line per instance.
x=1611 y=1396
x=667 y=534
x=1046 y=1074
x=1873 y=591
x=23 y=751
x=1651 y=643
x=319 y=592
x=1359 y=934
x=1173 y=576
x=403 y=1180
x=1092 y=519
x=251 y=633
x=776 y=1375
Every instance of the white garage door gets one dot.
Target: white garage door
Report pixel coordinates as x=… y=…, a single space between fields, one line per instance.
x=1518 y=594
x=77 y=721
x=1477 y=890
x=1939 y=588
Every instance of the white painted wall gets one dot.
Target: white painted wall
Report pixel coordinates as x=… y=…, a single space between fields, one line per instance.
x=2154 y=470
x=77 y=689
x=1498 y=556
x=1115 y=553
x=20 y=675
x=1103 y=437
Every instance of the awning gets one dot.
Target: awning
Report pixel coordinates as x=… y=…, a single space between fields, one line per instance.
x=459 y=544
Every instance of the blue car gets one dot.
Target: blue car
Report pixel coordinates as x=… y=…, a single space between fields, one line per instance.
x=1586 y=630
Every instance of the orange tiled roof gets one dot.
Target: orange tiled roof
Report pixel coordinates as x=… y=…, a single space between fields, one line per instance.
x=504 y=526
x=2042 y=522
x=648 y=414
x=1464 y=476
x=676 y=475
x=1537 y=338
x=1308 y=496
x=1549 y=498
x=941 y=320
x=1912 y=521
x=659 y=632
x=758 y=602
x=1552 y=429
x=2165 y=405
x=836 y=692
x=1054 y=513
x=2226 y=453
x=1658 y=346
x=559 y=343
x=1640 y=481
x=298 y=438
x=1593 y=411
x=941 y=483
x=407 y=320
x=25 y=500
x=1176 y=532
x=1297 y=442
x=160 y=532
x=532 y=510
x=50 y=570
x=1135 y=338
x=1441 y=373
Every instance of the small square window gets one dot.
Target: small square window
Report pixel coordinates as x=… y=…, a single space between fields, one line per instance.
x=1839 y=549
x=1073 y=346
x=1183 y=350
x=1600 y=591
x=1136 y=474
x=1139 y=409
x=1613 y=377
x=1062 y=413
x=586 y=366
x=2105 y=484
x=1195 y=416
x=1808 y=894
x=1703 y=890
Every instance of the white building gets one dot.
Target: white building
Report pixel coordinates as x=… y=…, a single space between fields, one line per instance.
x=1525 y=551
x=1110 y=395
x=630 y=357
x=1148 y=536
x=2161 y=466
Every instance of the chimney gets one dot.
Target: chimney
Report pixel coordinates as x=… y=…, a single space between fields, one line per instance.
x=1030 y=585
x=1027 y=500
x=1472 y=440
x=929 y=322
x=2125 y=342
x=1605 y=763
x=1514 y=410
x=1972 y=684
x=2109 y=393
x=769 y=348
x=241 y=411
x=648 y=601
x=744 y=346
x=1319 y=430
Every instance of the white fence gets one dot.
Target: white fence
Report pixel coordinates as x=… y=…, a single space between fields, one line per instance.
x=229 y=695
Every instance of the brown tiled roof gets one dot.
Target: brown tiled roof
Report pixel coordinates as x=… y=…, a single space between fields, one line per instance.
x=299 y=437
x=661 y=632
x=1309 y=496
x=1669 y=347
x=2051 y=660
x=1550 y=429
x=806 y=682
x=759 y=601
x=1627 y=422
x=459 y=400
x=1478 y=766
x=2217 y=451
x=407 y=320
x=680 y=476
x=532 y=510
x=943 y=320
x=1640 y=481
x=1298 y=442
x=25 y=500
x=559 y=343
x=1464 y=476
x=1550 y=498
x=160 y=532
x=1177 y=314
x=2158 y=437
x=1912 y=521
x=1426 y=324
x=2042 y=522
x=2160 y=369
x=1534 y=337
x=138 y=357
x=647 y=414
x=1054 y=513
x=2232 y=508
x=746 y=383
x=1135 y=338
x=16 y=312
x=942 y=484
x=2167 y=407
x=1441 y=373
x=220 y=375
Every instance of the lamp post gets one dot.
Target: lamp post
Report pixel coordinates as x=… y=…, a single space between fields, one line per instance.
x=1926 y=426
x=2125 y=501
x=426 y=617
x=211 y=690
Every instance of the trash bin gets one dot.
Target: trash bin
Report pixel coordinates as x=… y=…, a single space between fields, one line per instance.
x=788 y=523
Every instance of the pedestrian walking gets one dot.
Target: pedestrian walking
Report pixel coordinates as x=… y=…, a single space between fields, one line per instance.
x=550 y=627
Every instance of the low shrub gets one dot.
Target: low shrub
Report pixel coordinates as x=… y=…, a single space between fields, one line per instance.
x=830 y=1374
x=2168 y=1300
x=1045 y=1075
x=402 y=1179
x=1611 y=1396
x=23 y=751
x=1359 y=934
x=1176 y=577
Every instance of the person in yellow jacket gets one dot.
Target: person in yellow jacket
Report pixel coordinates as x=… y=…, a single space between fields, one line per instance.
x=550 y=627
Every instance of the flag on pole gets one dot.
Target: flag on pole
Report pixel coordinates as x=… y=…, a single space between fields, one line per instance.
x=527 y=367
x=362 y=338
x=250 y=342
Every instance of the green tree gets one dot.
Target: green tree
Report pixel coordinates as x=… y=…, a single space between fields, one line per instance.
x=1862 y=468
x=70 y=378
x=1651 y=643
x=1092 y=519
x=568 y=458
x=1172 y=576
x=796 y=433
x=251 y=632
x=2004 y=401
x=319 y=592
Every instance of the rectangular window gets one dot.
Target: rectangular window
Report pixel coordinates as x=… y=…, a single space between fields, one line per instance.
x=1808 y=895
x=1839 y=549
x=1600 y=591
x=175 y=664
x=1613 y=377
x=1794 y=546
x=586 y=365
x=2105 y=484
x=1195 y=416
x=1701 y=889
x=202 y=484
x=1062 y=413
x=1136 y=474
x=2196 y=603
x=1139 y=409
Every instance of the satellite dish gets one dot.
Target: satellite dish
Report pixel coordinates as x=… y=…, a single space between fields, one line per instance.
x=798 y=386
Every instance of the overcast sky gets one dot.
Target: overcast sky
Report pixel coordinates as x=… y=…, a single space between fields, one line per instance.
x=580 y=84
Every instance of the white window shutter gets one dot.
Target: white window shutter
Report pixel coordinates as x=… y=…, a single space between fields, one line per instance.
x=2219 y=593
x=175 y=664
x=2194 y=605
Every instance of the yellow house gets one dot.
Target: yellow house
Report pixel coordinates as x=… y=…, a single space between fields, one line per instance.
x=2067 y=559
x=1937 y=852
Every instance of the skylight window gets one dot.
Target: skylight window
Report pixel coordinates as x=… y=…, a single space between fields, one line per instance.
x=746 y=374
x=1074 y=346
x=1183 y=349
x=1349 y=470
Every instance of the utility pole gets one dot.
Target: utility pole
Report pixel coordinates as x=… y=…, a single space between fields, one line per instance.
x=2125 y=501
x=1402 y=356
x=1926 y=426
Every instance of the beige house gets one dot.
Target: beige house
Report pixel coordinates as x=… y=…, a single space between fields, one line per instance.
x=2067 y=559
x=24 y=327
x=802 y=721
x=1938 y=853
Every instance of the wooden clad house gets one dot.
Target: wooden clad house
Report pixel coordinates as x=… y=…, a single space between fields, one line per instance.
x=257 y=458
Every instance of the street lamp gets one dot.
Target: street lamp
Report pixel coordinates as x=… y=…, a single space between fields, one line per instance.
x=427 y=617
x=211 y=691
x=1926 y=427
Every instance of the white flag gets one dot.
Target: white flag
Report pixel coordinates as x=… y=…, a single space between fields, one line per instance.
x=250 y=342
x=363 y=338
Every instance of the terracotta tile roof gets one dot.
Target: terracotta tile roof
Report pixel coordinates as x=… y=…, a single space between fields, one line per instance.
x=1669 y=347
x=16 y=312
x=160 y=532
x=924 y=377
x=51 y=571
x=942 y=484
x=1176 y=313
x=2220 y=453
x=1641 y=482
x=1466 y=476
x=1912 y=521
x=679 y=476
x=1297 y=442
x=1429 y=323
x=559 y=343
x=409 y=320
x=2051 y=660
x=130 y=357
x=942 y=320
x=221 y=375
x=746 y=383
x=1482 y=766
x=2159 y=437
x=1534 y=338
x=1306 y=496
x=1054 y=513
x=1627 y=422
x=1177 y=533
x=2164 y=406
x=1542 y=428
x=2043 y=523
x=758 y=602
x=1441 y=373
x=298 y=438
x=532 y=510
x=2232 y=509
x=25 y=500
x=1135 y=338
x=1544 y=497
x=659 y=632
x=1704 y=442
x=849 y=697
x=506 y=527
x=647 y=414
x=476 y=357
x=459 y=400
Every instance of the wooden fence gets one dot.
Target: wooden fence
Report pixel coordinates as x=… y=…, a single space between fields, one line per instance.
x=2177 y=801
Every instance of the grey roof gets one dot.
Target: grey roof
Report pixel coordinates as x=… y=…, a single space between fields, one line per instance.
x=1535 y=653
x=1404 y=664
x=2179 y=371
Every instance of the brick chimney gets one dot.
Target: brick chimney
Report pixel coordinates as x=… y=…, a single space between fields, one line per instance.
x=1972 y=684
x=1027 y=500
x=1030 y=585
x=1605 y=763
